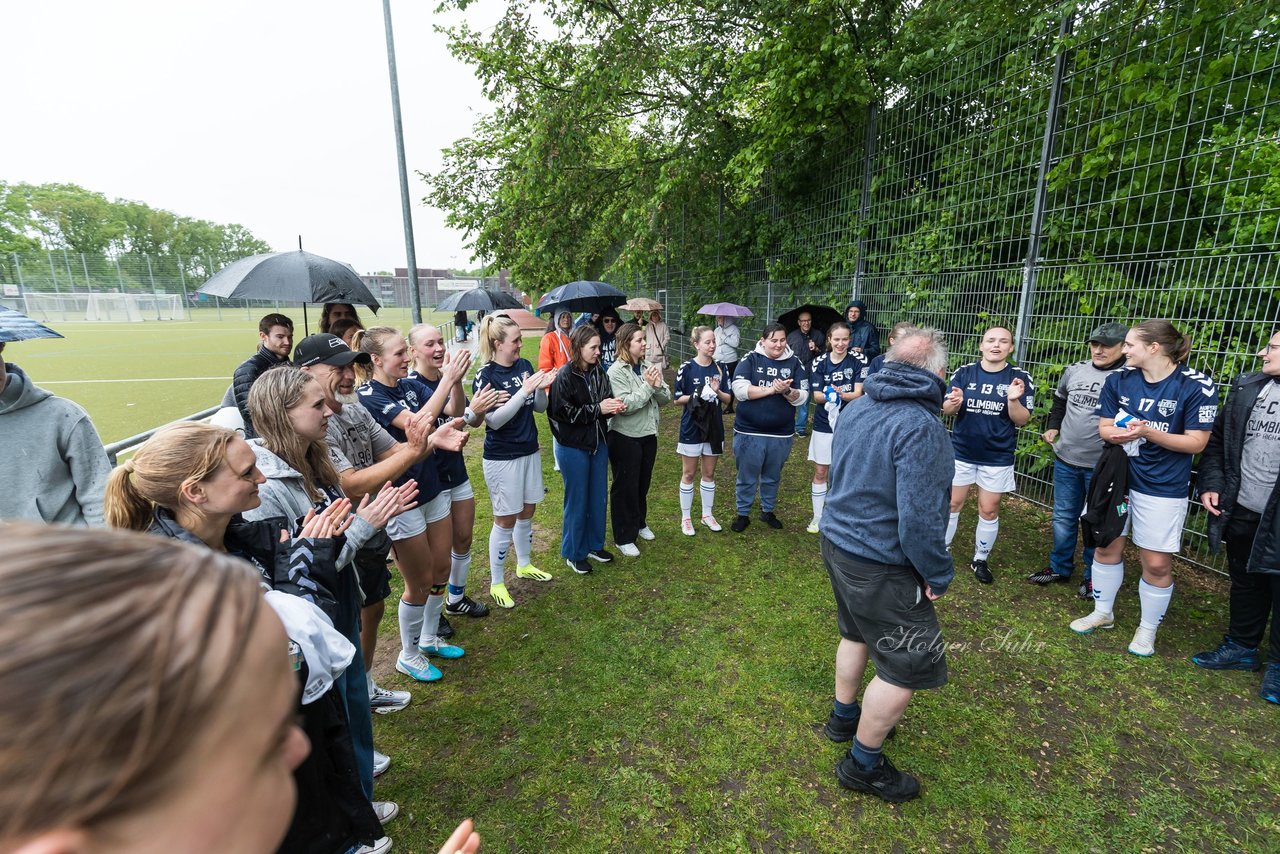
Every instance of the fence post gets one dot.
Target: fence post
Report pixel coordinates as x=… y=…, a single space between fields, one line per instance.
x=1031 y=266
x=119 y=275
x=84 y=265
x=186 y=298
x=868 y=163
x=53 y=272
x=71 y=277
x=17 y=266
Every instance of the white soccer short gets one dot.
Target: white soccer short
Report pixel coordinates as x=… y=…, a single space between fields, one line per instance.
x=988 y=478
x=461 y=492
x=1155 y=522
x=689 y=449
x=410 y=523
x=514 y=483
x=820 y=447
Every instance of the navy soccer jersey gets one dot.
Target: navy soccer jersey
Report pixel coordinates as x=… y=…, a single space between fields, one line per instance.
x=519 y=436
x=384 y=404
x=876 y=364
x=449 y=464
x=1184 y=400
x=772 y=415
x=983 y=433
x=689 y=380
x=842 y=376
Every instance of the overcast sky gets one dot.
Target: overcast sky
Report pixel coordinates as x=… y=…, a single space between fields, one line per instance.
x=275 y=114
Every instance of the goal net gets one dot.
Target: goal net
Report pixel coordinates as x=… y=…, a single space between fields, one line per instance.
x=119 y=308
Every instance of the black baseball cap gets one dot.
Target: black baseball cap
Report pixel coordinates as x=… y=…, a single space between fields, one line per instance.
x=1109 y=334
x=326 y=349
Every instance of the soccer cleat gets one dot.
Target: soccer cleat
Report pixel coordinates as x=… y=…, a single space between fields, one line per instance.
x=1086 y=591
x=386 y=810
x=1144 y=642
x=982 y=572
x=629 y=550
x=381 y=762
x=467 y=607
x=417 y=667
x=600 y=555
x=710 y=522
x=384 y=701
x=884 y=781
x=500 y=596
x=445 y=631
x=646 y=533
x=813 y=527
x=1047 y=576
x=581 y=567
x=686 y=527
x=1095 y=620
x=740 y=523
x=1270 y=690
x=771 y=520
x=438 y=648
x=1228 y=656
x=532 y=572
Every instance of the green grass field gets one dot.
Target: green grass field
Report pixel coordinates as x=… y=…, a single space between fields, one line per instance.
x=674 y=702
x=133 y=376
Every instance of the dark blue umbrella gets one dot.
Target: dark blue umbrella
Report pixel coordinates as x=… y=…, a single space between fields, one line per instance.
x=479 y=299
x=596 y=297
x=16 y=326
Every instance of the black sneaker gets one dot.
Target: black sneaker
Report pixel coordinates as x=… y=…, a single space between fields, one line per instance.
x=884 y=781
x=581 y=567
x=1047 y=576
x=467 y=607
x=841 y=730
x=982 y=571
x=740 y=524
x=600 y=556
x=445 y=631
x=771 y=520
x=1085 y=591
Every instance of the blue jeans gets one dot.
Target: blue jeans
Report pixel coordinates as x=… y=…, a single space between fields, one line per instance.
x=1070 y=488
x=352 y=685
x=586 y=496
x=802 y=417
x=760 y=460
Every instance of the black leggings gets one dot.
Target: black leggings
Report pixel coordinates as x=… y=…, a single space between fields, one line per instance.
x=632 y=463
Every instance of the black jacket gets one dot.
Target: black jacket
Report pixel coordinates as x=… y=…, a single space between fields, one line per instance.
x=574 y=407
x=708 y=418
x=1220 y=473
x=303 y=568
x=1106 y=507
x=242 y=380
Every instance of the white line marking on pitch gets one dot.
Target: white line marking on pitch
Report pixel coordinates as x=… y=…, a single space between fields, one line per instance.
x=144 y=380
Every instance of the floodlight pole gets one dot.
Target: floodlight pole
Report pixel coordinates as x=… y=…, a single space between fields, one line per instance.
x=415 y=299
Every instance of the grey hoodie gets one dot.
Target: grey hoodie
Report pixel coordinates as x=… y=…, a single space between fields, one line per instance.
x=55 y=469
x=888 y=494
x=285 y=495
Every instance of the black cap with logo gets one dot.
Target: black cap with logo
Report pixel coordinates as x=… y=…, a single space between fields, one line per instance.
x=323 y=348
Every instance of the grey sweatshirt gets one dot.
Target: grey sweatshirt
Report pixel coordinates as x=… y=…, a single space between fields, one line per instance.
x=1078 y=441
x=55 y=469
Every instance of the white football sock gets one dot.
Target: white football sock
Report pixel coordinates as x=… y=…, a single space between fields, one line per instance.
x=459 y=569
x=1155 y=602
x=410 y=626
x=686 y=500
x=431 y=619
x=818 y=495
x=953 y=522
x=985 y=537
x=524 y=542
x=707 y=488
x=499 y=545
x=1107 y=578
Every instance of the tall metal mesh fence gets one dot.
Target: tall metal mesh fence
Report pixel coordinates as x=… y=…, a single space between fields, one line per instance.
x=1116 y=161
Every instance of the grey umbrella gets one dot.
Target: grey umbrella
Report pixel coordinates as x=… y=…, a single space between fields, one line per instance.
x=479 y=299
x=16 y=326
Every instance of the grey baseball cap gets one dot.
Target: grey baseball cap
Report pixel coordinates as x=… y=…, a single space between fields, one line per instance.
x=1109 y=334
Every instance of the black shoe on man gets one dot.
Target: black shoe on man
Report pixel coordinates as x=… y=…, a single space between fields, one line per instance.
x=771 y=520
x=740 y=524
x=884 y=781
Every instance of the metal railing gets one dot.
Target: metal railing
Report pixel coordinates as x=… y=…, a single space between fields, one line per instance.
x=124 y=446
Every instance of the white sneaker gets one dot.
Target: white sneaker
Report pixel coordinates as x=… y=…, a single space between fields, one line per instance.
x=1144 y=642
x=381 y=762
x=386 y=810
x=646 y=533
x=1096 y=620
x=710 y=522
x=813 y=526
x=380 y=846
x=385 y=701
x=629 y=549
x=686 y=526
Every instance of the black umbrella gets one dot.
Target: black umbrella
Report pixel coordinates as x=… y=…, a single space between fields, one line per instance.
x=16 y=326
x=293 y=276
x=479 y=299
x=823 y=317
x=595 y=297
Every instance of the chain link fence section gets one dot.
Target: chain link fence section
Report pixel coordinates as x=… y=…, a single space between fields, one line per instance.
x=1115 y=161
